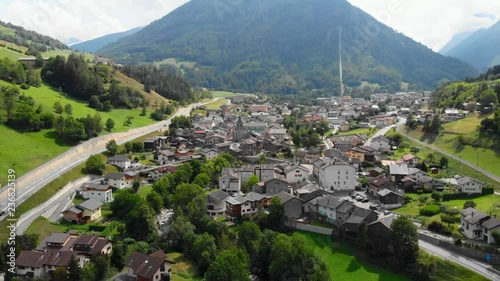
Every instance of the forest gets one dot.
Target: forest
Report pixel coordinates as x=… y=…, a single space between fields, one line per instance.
x=36 y=43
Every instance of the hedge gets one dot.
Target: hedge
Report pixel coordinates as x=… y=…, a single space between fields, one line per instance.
x=430 y=210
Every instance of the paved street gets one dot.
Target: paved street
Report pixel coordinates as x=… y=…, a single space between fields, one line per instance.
x=34 y=180
x=479 y=267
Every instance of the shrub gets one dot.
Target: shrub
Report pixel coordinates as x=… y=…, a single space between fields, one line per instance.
x=430 y=210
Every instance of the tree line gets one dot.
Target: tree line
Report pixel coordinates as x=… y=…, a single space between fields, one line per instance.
x=30 y=39
x=19 y=73
x=168 y=85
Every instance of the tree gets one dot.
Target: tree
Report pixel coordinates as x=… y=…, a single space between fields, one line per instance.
x=262 y=159
x=94 y=165
x=229 y=265
x=247 y=187
x=101 y=263
x=124 y=203
x=204 y=251
x=488 y=99
x=144 y=112
x=118 y=255
x=112 y=147
x=437 y=196
x=74 y=271
x=202 y=180
x=322 y=127
x=68 y=109
x=128 y=146
x=249 y=236
x=107 y=106
x=128 y=121
x=469 y=204
x=405 y=239
x=110 y=124
x=155 y=201
x=95 y=103
x=184 y=193
x=136 y=184
x=457 y=237
x=496 y=236
x=137 y=146
x=443 y=162
x=60 y=274
x=139 y=223
x=58 y=108
x=276 y=211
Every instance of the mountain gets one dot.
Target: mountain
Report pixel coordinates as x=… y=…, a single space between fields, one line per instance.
x=480 y=49
x=72 y=41
x=33 y=41
x=455 y=41
x=100 y=42
x=284 y=46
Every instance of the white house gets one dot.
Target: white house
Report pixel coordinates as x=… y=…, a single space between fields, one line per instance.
x=121 y=161
x=279 y=134
x=216 y=202
x=381 y=143
x=230 y=183
x=335 y=174
x=327 y=208
x=119 y=180
x=478 y=225
x=296 y=173
x=99 y=192
x=469 y=185
x=209 y=154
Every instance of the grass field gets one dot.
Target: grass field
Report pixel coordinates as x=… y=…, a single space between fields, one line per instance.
x=447 y=140
x=6 y=53
x=144 y=191
x=183 y=269
x=222 y=94
x=43 y=228
x=217 y=104
x=342 y=265
x=88 y=56
x=488 y=204
x=454 y=167
x=359 y=131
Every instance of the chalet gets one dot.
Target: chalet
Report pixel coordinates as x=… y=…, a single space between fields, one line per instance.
x=155 y=143
x=325 y=208
x=381 y=143
x=380 y=183
x=229 y=182
x=271 y=187
x=32 y=61
x=33 y=264
x=121 y=161
x=209 y=154
x=389 y=197
x=379 y=233
x=355 y=153
x=184 y=154
x=162 y=171
x=477 y=225
x=143 y=267
x=85 y=212
x=410 y=160
x=258 y=108
x=216 y=202
x=98 y=192
x=249 y=147
x=164 y=156
x=398 y=172
x=296 y=173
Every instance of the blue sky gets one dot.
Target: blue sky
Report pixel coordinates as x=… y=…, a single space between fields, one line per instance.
x=431 y=22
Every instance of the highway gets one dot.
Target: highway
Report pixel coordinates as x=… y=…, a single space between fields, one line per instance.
x=481 y=268
x=36 y=179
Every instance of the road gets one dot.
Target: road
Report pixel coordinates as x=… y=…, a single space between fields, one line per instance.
x=481 y=268
x=465 y=162
x=382 y=132
x=34 y=180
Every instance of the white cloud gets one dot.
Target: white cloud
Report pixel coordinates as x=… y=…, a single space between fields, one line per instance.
x=431 y=22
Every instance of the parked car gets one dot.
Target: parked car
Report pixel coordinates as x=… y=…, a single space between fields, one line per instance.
x=365 y=200
x=373 y=207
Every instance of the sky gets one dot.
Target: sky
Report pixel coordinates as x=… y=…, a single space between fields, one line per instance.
x=430 y=22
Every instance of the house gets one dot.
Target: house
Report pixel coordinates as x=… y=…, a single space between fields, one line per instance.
x=99 y=192
x=490 y=226
x=471 y=223
x=143 y=267
x=85 y=245
x=271 y=187
x=249 y=147
x=258 y=108
x=398 y=172
x=263 y=172
x=162 y=171
x=155 y=143
x=375 y=172
x=279 y=134
x=379 y=233
x=410 y=160
x=390 y=198
x=164 y=156
x=417 y=175
x=469 y=185
x=381 y=143
x=33 y=264
x=296 y=173
x=356 y=216
x=305 y=157
x=335 y=174
x=291 y=205
x=121 y=161
x=355 y=153
x=216 y=202
x=380 y=183
x=184 y=154
x=119 y=180
x=85 y=212
x=248 y=204
x=325 y=208
x=209 y=154
x=432 y=183
x=230 y=182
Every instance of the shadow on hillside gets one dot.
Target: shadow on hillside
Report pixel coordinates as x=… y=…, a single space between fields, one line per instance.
x=52 y=135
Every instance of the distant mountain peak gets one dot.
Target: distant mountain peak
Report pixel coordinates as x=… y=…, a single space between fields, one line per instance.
x=100 y=42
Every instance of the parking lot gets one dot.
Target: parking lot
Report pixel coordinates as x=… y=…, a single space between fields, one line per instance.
x=368 y=203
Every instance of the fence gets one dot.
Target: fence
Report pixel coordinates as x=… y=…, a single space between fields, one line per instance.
x=27 y=218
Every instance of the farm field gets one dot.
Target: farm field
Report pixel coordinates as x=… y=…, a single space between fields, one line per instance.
x=217 y=104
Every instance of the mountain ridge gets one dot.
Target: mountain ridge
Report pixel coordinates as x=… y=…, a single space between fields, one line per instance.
x=285 y=46
x=100 y=42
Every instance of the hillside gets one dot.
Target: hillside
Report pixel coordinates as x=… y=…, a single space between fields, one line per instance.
x=34 y=42
x=285 y=46
x=479 y=49
x=100 y=42
x=455 y=41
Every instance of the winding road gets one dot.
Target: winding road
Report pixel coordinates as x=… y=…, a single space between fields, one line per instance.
x=36 y=179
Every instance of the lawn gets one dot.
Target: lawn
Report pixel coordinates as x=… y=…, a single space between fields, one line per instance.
x=341 y=263
x=222 y=94
x=43 y=228
x=6 y=53
x=183 y=269
x=488 y=204
x=359 y=131
x=144 y=191
x=217 y=104
x=88 y=56
x=465 y=125
x=450 y=271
